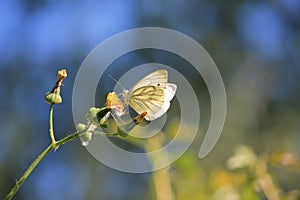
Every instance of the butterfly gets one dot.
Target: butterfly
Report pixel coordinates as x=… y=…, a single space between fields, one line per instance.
x=151 y=95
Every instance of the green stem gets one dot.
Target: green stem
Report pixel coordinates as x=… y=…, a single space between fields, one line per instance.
x=51 y=127
x=26 y=174
x=67 y=139
x=53 y=146
x=105 y=134
x=19 y=183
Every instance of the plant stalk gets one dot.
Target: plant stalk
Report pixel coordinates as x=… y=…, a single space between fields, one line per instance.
x=51 y=127
x=19 y=182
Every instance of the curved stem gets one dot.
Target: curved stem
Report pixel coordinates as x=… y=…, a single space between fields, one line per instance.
x=26 y=174
x=53 y=146
x=51 y=126
x=67 y=139
x=19 y=182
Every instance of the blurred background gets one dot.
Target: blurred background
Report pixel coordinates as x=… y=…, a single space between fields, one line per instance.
x=255 y=45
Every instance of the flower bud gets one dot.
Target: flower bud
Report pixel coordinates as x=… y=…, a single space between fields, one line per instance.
x=53 y=98
x=80 y=127
x=98 y=116
x=91 y=115
x=61 y=74
x=86 y=137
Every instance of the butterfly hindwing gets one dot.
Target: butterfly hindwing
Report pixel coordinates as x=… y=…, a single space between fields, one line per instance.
x=148 y=99
x=153 y=100
x=169 y=93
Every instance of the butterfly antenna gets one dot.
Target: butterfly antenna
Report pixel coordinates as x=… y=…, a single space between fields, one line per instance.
x=118 y=83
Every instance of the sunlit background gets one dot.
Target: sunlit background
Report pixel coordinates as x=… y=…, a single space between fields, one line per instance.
x=255 y=45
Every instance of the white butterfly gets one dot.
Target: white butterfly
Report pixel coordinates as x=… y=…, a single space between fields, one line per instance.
x=152 y=94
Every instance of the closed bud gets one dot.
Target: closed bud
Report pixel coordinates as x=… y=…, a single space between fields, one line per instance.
x=53 y=98
x=86 y=137
x=98 y=116
x=85 y=134
x=91 y=115
x=61 y=74
x=80 y=127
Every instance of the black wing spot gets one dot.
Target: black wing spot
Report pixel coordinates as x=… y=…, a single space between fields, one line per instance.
x=158 y=84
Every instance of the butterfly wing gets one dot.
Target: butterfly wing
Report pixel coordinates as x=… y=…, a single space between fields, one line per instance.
x=154 y=100
x=169 y=93
x=157 y=78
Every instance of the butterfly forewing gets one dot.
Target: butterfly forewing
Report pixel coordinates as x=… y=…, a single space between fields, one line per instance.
x=158 y=78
